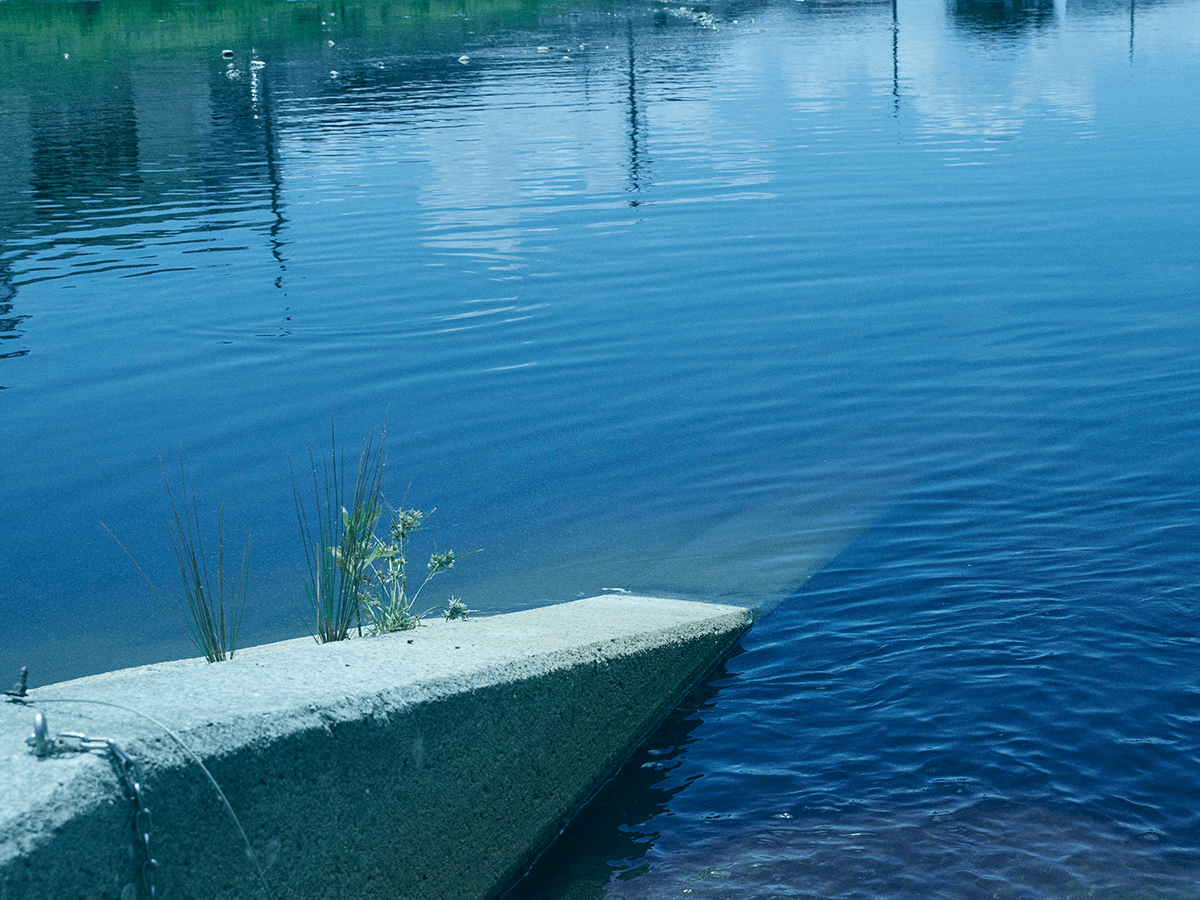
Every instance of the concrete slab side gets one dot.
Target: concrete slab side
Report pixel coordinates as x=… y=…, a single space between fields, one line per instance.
x=430 y=764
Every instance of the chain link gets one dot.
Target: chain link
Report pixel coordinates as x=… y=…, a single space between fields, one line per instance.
x=130 y=772
x=131 y=775
x=143 y=821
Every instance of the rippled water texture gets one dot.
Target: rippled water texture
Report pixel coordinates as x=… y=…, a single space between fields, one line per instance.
x=878 y=316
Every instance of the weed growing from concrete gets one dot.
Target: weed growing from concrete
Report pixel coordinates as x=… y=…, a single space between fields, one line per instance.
x=350 y=569
x=339 y=546
x=209 y=621
x=387 y=565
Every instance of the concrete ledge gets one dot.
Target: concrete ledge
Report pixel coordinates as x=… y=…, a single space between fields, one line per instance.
x=434 y=763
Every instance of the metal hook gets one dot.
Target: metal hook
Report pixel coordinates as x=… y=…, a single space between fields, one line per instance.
x=40 y=740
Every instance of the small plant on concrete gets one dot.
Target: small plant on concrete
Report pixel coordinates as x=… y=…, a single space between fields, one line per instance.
x=213 y=614
x=338 y=547
x=456 y=609
x=387 y=565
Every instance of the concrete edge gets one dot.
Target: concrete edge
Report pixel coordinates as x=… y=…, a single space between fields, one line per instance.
x=436 y=763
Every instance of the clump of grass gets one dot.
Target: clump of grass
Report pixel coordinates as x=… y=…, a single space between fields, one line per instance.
x=338 y=546
x=387 y=564
x=213 y=615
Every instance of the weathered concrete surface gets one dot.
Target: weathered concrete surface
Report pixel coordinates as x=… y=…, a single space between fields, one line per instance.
x=428 y=764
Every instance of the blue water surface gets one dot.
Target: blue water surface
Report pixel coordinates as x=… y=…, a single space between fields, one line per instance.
x=877 y=316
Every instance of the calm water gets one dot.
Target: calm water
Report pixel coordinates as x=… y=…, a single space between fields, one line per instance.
x=702 y=300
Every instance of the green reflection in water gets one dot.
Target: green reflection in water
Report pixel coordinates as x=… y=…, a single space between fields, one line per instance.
x=41 y=31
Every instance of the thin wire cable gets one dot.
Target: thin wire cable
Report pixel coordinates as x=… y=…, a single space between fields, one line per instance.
x=190 y=752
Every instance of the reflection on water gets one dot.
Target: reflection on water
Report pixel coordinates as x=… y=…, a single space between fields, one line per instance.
x=875 y=315
x=991 y=17
x=9 y=325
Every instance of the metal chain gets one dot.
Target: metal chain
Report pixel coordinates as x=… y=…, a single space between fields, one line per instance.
x=44 y=745
x=131 y=776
